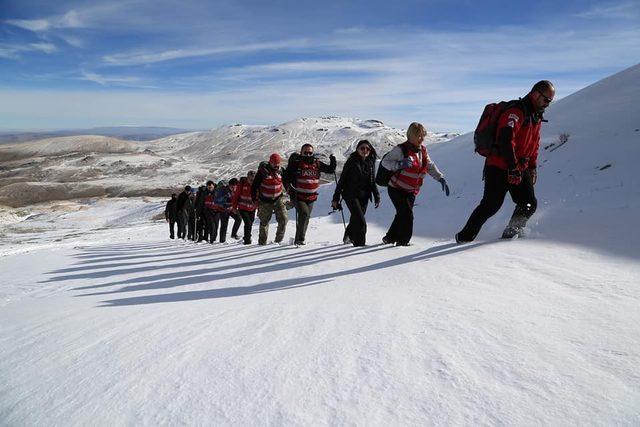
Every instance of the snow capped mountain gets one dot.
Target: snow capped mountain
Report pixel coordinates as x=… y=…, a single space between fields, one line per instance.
x=97 y=165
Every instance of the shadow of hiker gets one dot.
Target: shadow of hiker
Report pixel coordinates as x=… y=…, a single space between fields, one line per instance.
x=290 y=283
x=181 y=273
x=151 y=258
x=260 y=266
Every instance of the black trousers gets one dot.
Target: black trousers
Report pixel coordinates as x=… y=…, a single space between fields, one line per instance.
x=496 y=188
x=210 y=225
x=220 y=223
x=182 y=218
x=247 y=218
x=191 y=228
x=201 y=226
x=172 y=226
x=303 y=213
x=357 y=228
x=237 y=220
x=401 y=228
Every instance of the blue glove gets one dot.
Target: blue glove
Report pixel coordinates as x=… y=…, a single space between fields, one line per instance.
x=405 y=163
x=445 y=187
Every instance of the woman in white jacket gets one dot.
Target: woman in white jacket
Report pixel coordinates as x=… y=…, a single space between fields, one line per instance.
x=410 y=162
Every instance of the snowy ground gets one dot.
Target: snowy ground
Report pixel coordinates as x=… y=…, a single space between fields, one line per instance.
x=128 y=327
x=105 y=321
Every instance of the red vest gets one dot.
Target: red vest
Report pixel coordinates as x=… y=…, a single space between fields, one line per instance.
x=307 y=181
x=410 y=179
x=242 y=197
x=271 y=185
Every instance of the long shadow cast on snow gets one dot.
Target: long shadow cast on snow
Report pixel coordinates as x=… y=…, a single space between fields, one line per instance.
x=291 y=283
x=216 y=255
x=253 y=267
x=189 y=255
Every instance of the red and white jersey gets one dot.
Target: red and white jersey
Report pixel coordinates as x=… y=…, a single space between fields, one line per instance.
x=307 y=181
x=271 y=185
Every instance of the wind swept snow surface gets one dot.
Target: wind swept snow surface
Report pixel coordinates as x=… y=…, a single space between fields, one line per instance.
x=120 y=325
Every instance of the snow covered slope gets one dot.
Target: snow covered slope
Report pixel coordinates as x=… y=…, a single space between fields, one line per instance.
x=118 y=325
x=588 y=189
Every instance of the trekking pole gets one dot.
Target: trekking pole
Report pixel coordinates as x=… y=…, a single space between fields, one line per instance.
x=344 y=224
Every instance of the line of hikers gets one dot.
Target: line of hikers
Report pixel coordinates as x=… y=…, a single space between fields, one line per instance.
x=508 y=136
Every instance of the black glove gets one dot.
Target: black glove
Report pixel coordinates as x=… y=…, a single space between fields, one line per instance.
x=534 y=175
x=445 y=187
x=514 y=177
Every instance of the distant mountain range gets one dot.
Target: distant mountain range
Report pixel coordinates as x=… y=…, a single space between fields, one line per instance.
x=130 y=133
x=76 y=166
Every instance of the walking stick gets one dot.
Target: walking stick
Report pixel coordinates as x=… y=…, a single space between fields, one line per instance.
x=344 y=224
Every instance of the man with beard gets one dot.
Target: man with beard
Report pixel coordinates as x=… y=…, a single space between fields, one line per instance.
x=512 y=166
x=267 y=191
x=302 y=179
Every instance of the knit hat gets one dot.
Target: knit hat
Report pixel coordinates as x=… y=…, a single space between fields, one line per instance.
x=275 y=158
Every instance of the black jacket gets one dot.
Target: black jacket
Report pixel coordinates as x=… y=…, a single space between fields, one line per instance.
x=170 y=210
x=357 y=179
x=182 y=200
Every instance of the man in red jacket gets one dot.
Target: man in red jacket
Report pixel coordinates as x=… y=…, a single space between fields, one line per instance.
x=512 y=167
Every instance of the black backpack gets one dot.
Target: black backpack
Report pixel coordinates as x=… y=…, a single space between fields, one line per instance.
x=484 y=137
x=383 y=175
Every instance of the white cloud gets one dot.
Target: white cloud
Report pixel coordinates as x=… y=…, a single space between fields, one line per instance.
x=621 y=10
x=13 y=51
x=140 y=58
x=127 y=81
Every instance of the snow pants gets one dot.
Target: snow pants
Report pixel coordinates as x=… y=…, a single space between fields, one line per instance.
x=220 y=223
x=247 y=218
x=182 y=218
x=237 y=220
x=357 y=228
x=172 y=227
x=496 y=188
x=401 y=228
x=303 y=213
x=265 y=212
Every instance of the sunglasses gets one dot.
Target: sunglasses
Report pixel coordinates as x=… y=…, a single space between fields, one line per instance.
x=546 y=98
x=308 y=153
x=364 y=148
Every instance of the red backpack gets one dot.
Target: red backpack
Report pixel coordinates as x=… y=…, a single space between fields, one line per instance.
x=484 y=137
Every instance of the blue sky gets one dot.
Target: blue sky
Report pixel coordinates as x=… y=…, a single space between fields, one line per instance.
x=201 y=64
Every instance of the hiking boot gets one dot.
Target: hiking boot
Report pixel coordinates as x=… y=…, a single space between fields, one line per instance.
x=403 y=244
x=460 y=240
x=511 y=232
x=387 y=240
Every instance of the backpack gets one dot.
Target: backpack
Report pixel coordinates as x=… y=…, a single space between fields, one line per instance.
x=484 y=137
x=383 y=175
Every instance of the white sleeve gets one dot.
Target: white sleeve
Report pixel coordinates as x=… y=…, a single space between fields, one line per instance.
x=392 y=159
x=433 y=170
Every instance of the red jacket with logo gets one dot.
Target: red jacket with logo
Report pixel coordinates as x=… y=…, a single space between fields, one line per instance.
x=518 y=137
